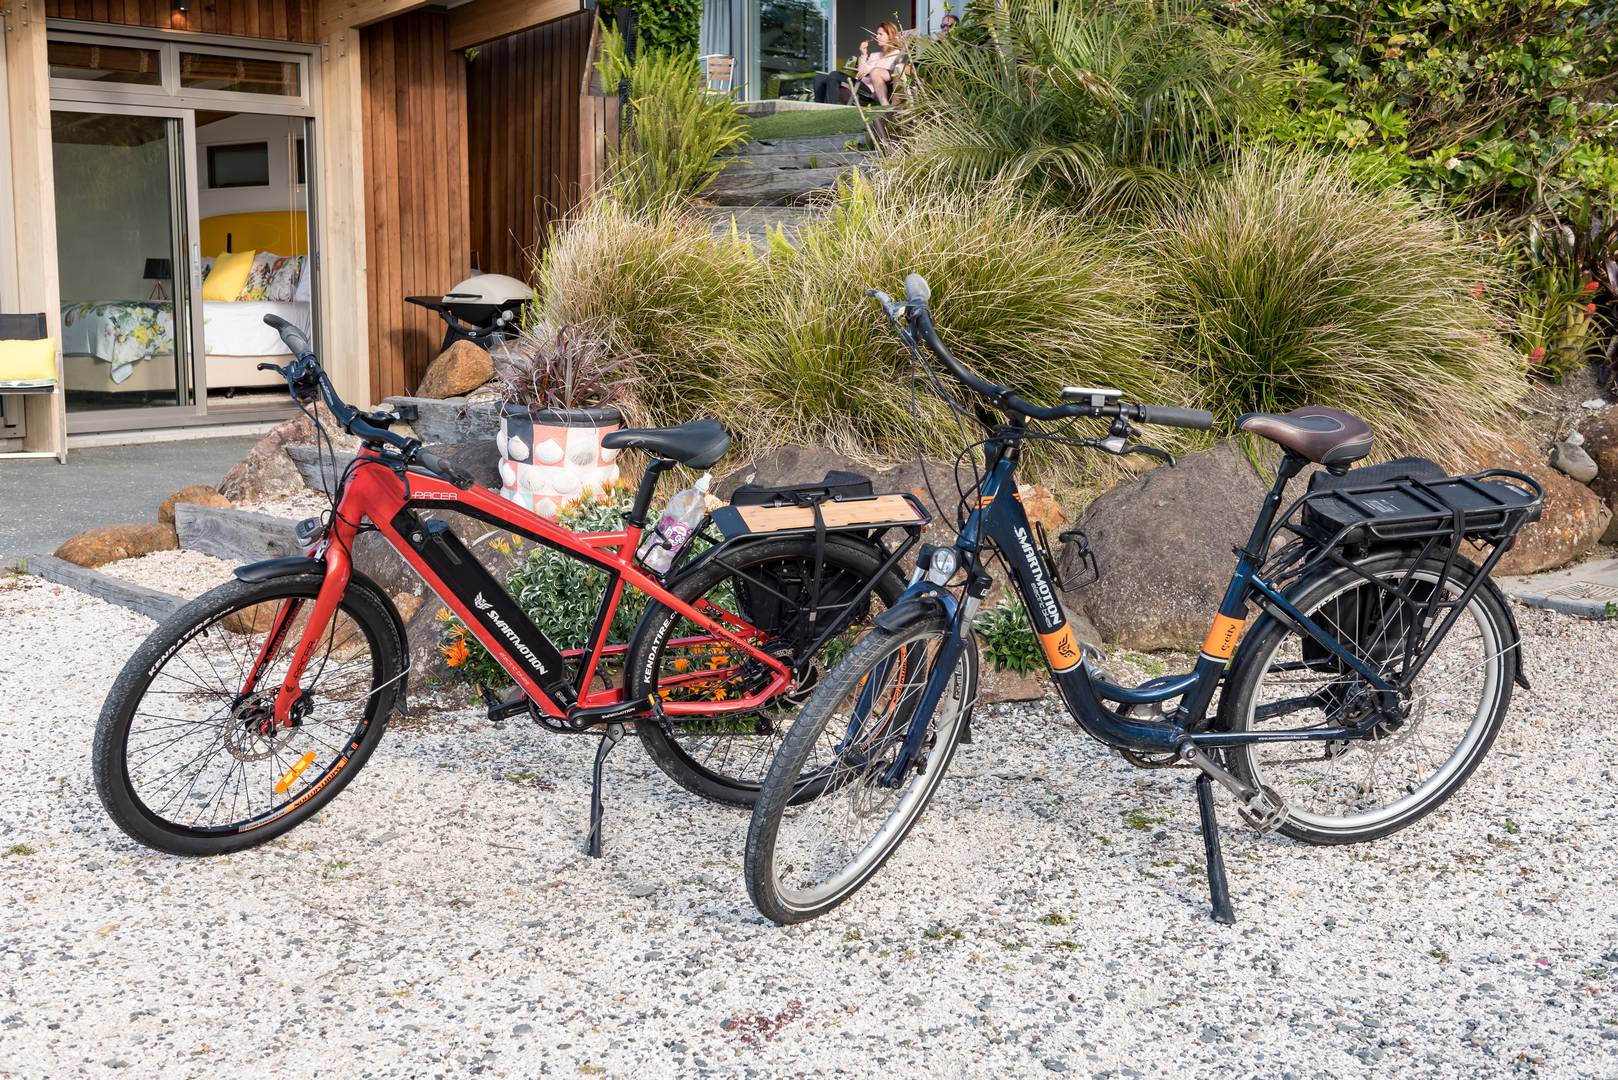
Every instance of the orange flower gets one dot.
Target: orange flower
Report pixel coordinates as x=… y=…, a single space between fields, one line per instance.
x=1537 y=355
x=455 y=655
x=682 y=664
x=444 y=615
x=1477 y=291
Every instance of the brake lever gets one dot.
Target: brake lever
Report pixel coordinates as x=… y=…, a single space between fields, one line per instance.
x=1118 y=446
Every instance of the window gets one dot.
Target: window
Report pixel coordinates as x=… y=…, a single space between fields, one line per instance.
x=239 y=74
x=238 y=165
x=104 y=63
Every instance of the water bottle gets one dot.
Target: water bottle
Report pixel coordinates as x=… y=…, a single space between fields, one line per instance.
x=680 y=518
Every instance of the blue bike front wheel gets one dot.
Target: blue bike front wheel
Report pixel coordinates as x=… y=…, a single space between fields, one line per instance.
x=868 y=780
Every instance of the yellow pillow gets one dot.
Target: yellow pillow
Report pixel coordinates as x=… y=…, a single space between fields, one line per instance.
x=229 y=274
x=28 y=363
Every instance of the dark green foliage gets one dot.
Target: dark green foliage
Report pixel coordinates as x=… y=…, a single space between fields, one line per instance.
x=1476 y=104
x=671 y=26
x=1009 y=642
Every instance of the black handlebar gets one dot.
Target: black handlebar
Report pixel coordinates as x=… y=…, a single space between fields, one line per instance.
x=919 y=321
x=306 y=379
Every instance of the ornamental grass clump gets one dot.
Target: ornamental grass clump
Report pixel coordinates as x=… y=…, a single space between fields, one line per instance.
x=1023 y=293
x=1289 y=285
x=665 y=289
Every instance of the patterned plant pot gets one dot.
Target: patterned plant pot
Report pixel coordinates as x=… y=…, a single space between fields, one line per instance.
x=549 y=457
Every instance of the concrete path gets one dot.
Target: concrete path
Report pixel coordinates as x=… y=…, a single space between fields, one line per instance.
x=1589 y=589
x=43 y=503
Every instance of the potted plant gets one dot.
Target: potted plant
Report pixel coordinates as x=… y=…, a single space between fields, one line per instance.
x=560 y=388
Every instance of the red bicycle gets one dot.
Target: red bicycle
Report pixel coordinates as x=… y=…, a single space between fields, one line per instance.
x=247 y=711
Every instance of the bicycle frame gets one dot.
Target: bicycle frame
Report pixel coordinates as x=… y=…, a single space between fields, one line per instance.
x=1000 y=520
x=377 y=493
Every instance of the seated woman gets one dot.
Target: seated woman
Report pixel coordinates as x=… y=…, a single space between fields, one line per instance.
x=874 y=73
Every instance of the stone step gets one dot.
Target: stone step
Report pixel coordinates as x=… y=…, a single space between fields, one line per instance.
x=768 y=187
x=1589 y=589
x=755 y=222
x=151 y=603
x=803 y=144
x=822 y=159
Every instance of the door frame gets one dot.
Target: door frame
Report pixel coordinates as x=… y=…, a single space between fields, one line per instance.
x=183 y=212
x=172 y=101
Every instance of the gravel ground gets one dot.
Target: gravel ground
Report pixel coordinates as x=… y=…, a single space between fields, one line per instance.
x=1049 y=914
x=178 y=572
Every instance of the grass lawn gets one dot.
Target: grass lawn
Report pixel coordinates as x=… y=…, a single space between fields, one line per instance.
x=797 y=122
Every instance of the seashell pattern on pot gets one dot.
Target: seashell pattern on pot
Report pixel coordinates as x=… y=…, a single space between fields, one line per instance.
x=549 y=457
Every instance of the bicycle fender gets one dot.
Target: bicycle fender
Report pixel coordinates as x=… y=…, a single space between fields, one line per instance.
x=268 y=569
x=917 y=602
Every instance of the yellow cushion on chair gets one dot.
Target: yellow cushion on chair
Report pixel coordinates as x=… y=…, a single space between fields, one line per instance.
x=229 y=274
x=28 y=363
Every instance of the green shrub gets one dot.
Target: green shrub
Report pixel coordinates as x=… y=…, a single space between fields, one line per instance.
x=559 y=593
x=1476 y=104
x=1295 y=286
x=674 y=132
x=672 y=26
x=1099 y=100
x=1009 y=641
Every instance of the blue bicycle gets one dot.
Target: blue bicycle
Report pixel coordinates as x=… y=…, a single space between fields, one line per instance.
x=1357 y=671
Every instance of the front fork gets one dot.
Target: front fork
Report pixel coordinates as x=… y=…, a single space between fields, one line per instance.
x=339 y=568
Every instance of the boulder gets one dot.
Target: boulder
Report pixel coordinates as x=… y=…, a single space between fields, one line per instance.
x=999 y=687
x=267 y=472
x=1163 y=543
x=1571 y=459
x=459 y=370
x=199 y=494
x=1601 y=443
x=1571 y=524
x=110 y=543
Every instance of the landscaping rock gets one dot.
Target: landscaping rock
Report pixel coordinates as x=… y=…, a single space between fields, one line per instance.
x=199 y=494
x=999 y=687
x=110 y=543
x=267 y=472
x=1573 y=520
x=1163 y=543
x=459 y=370
x=1570 y=458
x=1600 y=434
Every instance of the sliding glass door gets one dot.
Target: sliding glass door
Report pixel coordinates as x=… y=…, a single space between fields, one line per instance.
x=123 y=207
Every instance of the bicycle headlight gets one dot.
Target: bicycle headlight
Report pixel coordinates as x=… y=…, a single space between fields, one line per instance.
x=943 y=566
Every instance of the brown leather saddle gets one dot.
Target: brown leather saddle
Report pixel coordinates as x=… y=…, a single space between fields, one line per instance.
x=1329 y=437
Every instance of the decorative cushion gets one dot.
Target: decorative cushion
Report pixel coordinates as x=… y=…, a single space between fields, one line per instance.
x=284 y=285
x=305 y=282
x=229 y=276
x=265 y=264
x=27 y=363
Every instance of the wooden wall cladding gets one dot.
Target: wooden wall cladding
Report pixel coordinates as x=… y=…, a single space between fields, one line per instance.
x=523 y=112
x=418 y=240
x=274 y=20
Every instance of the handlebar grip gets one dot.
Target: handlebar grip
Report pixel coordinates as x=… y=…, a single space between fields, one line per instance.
x=1174 y=416
x=433 y=463
x=916 y=288
x=296 y=341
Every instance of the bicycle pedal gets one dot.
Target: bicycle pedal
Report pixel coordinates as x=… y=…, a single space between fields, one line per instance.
x=1264 y=812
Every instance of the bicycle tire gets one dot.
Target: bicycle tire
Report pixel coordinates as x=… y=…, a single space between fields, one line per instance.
x=648 y=646
x=234 y=610
x=781 y=788
x=1498 y=666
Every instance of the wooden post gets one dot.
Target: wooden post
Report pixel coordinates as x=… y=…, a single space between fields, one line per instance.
x=345 y=343
x=32 y=206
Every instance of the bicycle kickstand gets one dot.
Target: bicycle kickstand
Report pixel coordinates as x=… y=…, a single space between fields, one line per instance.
x=1218 y=886
x=613 y=735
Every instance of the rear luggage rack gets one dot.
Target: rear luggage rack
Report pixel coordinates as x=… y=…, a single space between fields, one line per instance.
x=1487 y=507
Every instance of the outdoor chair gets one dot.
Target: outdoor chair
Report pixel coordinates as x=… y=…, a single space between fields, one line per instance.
x=718 y=74
x=29 y=366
